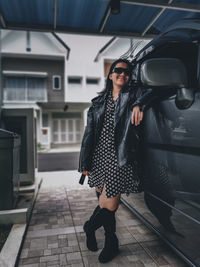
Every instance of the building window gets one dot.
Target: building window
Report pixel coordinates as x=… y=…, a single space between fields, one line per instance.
x=92 y=81
x=74 y=80
x=45 y=120
x=56 y=82
x=66 y=130
x=25 y=89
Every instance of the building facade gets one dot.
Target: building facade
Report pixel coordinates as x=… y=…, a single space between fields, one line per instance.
x=33 y=76
x=57 y=76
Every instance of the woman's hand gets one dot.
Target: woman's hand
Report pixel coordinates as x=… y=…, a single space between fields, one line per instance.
x=86 y=172
x=136 y=116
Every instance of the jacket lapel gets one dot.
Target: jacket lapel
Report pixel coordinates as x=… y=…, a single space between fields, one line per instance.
x=99 y=106
x=120 y=107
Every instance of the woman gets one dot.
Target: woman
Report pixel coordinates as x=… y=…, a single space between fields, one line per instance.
x=109 y=153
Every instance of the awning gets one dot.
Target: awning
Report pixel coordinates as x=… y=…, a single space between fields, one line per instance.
x=138 y=18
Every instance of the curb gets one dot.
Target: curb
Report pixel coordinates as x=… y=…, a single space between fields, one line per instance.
x=12 y=248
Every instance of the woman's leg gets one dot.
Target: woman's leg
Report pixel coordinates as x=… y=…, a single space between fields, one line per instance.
x=103 y=215
x=110 y=203
x=108 y=207
x=91 y=225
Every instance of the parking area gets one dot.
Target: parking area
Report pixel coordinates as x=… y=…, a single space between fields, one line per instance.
x=55 y=236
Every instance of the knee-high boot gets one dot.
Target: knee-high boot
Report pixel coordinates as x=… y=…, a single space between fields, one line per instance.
x=91 y=226
x=111 y=246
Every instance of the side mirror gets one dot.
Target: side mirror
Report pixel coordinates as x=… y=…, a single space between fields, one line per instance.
x=168 y=73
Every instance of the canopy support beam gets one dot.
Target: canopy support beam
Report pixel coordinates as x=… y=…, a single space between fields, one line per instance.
x=3 y=22
x=161 y=4
x=62 y=43
x=105 y=18
x=55 y=14
x=155 y=18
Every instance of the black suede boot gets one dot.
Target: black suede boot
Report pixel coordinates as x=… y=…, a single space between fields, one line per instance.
x=91 y=226
x=111 y=246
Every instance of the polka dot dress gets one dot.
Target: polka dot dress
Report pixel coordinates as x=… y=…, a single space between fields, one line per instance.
x=104 y=162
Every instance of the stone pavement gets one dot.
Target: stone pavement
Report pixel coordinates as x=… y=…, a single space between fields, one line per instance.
x=55 y=236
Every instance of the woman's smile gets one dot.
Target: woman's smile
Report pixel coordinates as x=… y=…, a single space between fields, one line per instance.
x=121 y=78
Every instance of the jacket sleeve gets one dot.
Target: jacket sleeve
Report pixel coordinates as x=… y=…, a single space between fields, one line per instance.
x=87 y=145
x=146 y=98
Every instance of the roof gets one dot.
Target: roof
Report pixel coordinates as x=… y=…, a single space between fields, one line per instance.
x=106 y=46
x=62 y=43
x=138 y=18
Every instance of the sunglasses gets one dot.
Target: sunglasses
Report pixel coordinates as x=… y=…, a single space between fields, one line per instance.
x=120 y=70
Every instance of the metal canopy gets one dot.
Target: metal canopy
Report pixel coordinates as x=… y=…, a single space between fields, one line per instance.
x=137 y=18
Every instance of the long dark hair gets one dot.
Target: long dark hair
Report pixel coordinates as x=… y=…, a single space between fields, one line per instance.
x=109 y=84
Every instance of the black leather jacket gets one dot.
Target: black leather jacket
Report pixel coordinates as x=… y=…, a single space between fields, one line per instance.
x=127 y=135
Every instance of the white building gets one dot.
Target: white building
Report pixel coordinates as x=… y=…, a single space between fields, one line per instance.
x=57 y=76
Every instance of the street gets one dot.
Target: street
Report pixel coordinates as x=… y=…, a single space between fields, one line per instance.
x=58 y=161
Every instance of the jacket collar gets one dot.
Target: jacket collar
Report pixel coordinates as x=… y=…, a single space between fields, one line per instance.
x=101 y=98
x=121 y=104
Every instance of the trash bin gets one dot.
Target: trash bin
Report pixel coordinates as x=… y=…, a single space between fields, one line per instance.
x=9 y=169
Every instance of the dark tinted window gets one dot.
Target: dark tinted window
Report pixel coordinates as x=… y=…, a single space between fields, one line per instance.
x=45 y=120
x=56 y=82
x=74 y=80
x=92 y=80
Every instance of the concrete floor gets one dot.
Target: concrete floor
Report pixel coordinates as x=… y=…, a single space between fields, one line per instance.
x=55 y=236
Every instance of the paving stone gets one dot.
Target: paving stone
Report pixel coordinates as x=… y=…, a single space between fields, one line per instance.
x=52 y=239
x=69 y=249
x=55 y=236
x=49 y=258
x=162 y=254
x=49 y=232
x=72 y=243
x=73 y=256
x=125 y=241
x=77 y=264
x=30 y=260
x=26 y=244
x=35 y=253
x=43 y=264
x=55 y=251
x=63 y=260
x=90 y=253
x=30 y=265
x=38 y=243
x=24 y=253
x=53 y=245
x=53 y=263
x=47 y=252
x=62 y=236
x=63 y=242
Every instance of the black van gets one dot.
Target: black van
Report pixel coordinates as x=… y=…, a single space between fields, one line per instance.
x=170 y=205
